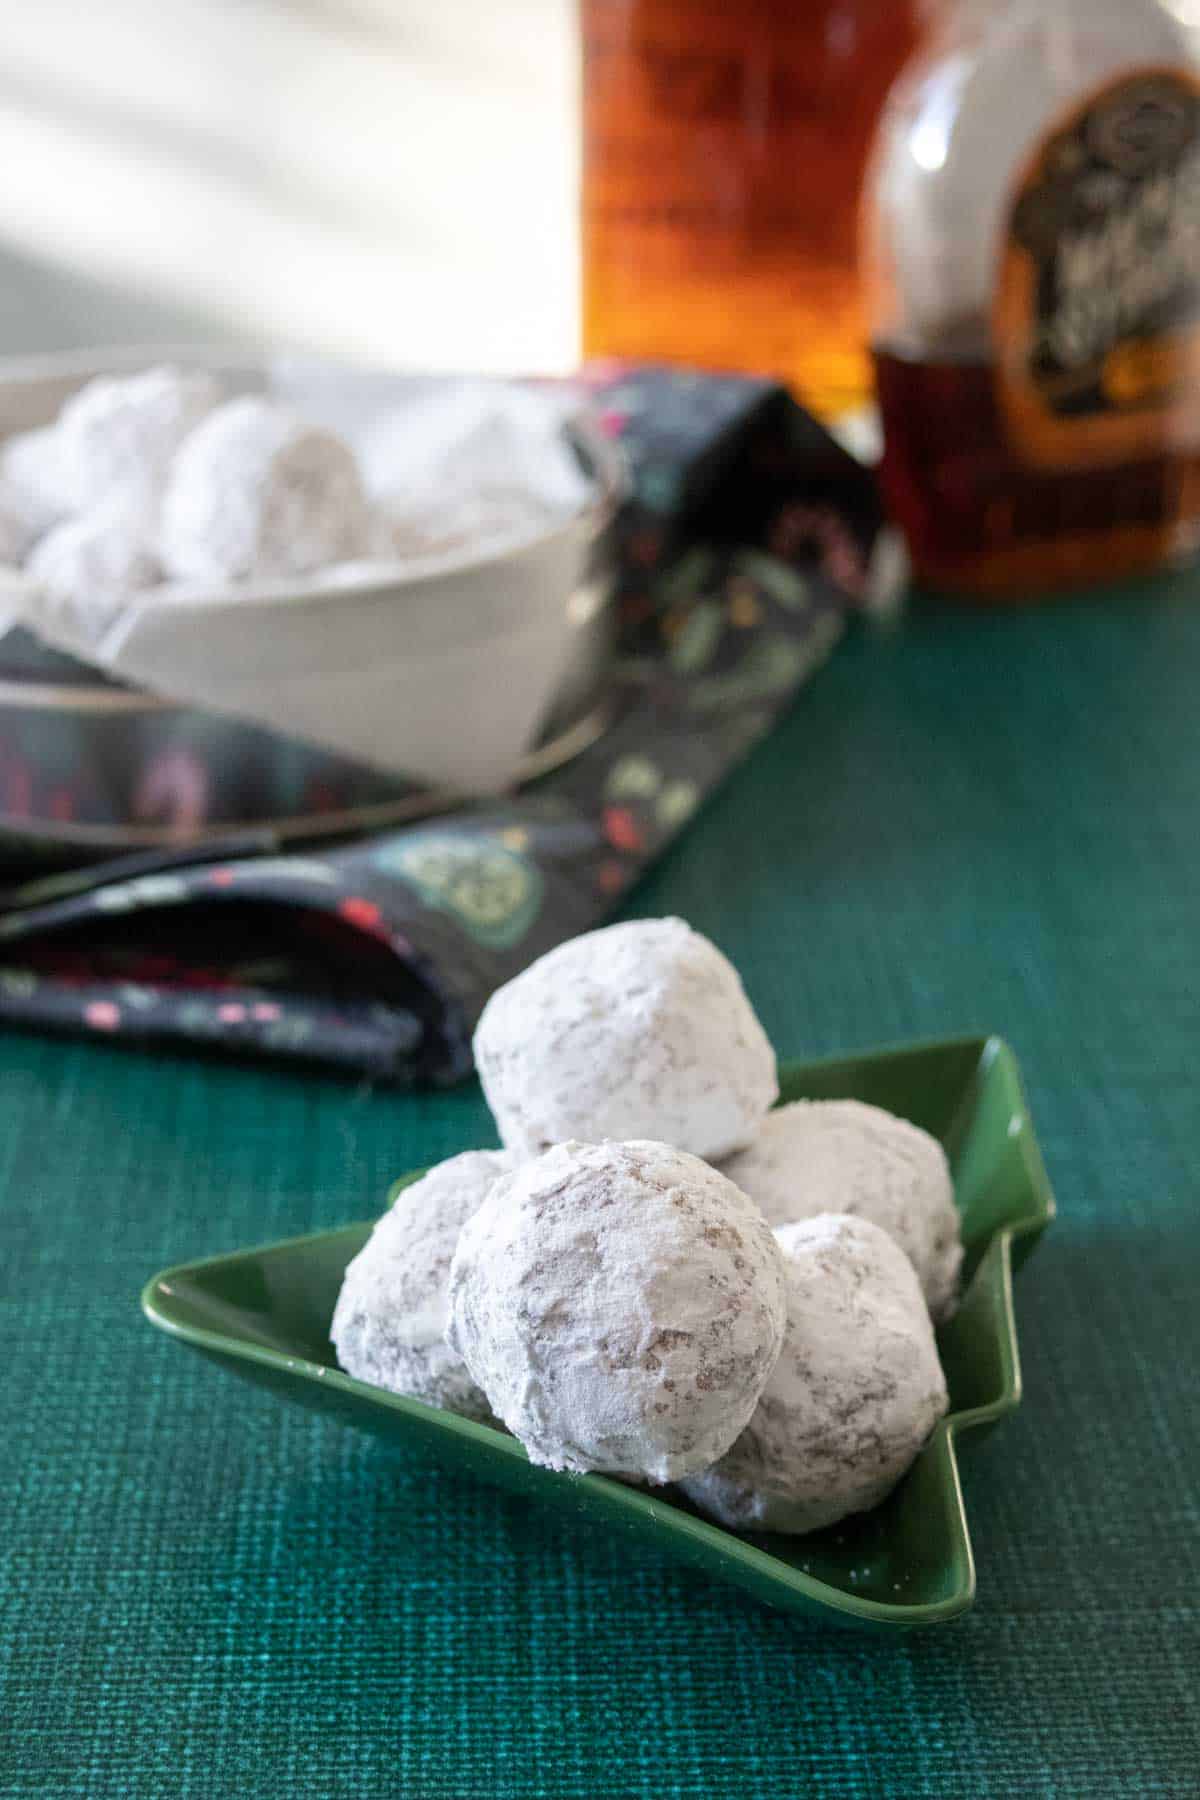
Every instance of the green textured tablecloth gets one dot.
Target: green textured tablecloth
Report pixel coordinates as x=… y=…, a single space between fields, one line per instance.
x=972 y=823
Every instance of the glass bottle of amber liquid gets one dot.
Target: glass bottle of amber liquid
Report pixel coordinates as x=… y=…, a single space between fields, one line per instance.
x=724 y=146
x=1032 y=247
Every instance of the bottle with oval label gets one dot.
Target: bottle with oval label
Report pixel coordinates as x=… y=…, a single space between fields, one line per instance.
x=1032 y=236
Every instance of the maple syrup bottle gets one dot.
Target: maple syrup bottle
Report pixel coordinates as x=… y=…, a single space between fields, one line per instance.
x=1031 y=237
x=724 y=143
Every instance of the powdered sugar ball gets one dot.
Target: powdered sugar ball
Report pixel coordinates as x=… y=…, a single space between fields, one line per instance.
x=122 y=431
x=855 y=1393
x=16 y=534
x=391 y=1314
x=32 y=490
x=89 y=564
x=621 y=1305
x=842 y=1156
x=256 y=492
x=639 y=1030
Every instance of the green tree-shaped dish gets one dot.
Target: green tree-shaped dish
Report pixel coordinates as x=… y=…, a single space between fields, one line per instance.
x=265 y=1314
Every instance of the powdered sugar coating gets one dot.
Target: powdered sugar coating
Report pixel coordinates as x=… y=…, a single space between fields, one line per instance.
x=391 y=1315
x=842 y=1156
x=256 y=492
x=121 y=432
x=641 y=1030
x=621 y=1305
x=856 y=1391
x=87 y=565
x=32 y=489
x=16 y=530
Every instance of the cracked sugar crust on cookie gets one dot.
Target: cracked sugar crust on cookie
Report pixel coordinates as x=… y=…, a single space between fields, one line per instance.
x=87 y=565
x=120 y=432
x=390 y=1319
x=842 y=1156
x=256 y=492
x=621 y=1305
x=856 y=1391
x=640 y=1030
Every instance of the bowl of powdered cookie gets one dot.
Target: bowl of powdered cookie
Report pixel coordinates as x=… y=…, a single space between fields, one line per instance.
x=741 y=1311
x=267 y=591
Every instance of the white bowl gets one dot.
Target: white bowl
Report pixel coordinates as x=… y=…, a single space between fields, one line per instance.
x=445 y=669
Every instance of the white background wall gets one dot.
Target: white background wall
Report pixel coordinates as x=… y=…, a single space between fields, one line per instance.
x=390 y=179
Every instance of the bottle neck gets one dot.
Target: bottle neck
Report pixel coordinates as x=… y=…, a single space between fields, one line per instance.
x=1062 y=34
x=987 y=16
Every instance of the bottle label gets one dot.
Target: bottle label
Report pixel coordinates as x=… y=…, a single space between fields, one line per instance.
x=1097 y=314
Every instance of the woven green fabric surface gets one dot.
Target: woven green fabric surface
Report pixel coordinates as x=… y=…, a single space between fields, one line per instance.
x=973 y=823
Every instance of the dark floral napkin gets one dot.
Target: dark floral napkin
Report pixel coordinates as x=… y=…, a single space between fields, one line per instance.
x=744 y=543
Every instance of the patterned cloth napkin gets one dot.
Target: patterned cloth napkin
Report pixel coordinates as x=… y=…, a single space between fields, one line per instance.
x=745 y=541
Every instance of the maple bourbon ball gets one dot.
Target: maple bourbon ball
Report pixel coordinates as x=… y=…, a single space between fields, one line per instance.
x=390 y=1319
x=88 y=565
x=254 y=492
x=621 y=1306
x=854 y=1395
x=842 y=1156
x=32 y=498
x=17 y=531
x=641 y=1030
x=121 y=432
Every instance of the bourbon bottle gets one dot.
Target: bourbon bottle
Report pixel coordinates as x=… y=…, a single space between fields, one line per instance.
x=723 y=151
x=1032 y=249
